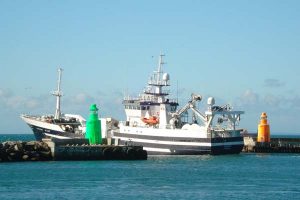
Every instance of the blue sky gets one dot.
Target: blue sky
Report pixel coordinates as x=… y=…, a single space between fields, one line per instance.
x=241 y=52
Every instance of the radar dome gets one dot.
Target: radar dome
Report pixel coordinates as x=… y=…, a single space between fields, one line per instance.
x=166 y=77
x=211 y=101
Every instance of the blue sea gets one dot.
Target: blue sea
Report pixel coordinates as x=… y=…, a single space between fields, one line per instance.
x=244 y=176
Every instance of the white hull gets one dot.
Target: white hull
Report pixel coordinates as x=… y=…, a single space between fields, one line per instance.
x=164 y=141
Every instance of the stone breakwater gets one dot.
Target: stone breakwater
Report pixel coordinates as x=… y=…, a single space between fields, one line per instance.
x=67 y=149
x=11 y=151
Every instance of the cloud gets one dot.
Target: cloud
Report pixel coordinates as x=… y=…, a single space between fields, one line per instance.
x=5 y=93
x=82 y=98
x=32 y=103
x=15 y=102
x=109 y=103
x=273 y=83
x=10 y=101
x=273 y=100
x=249 y=98
x=254 y=101
x=283 y=111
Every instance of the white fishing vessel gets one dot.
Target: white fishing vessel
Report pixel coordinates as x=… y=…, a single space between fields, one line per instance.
x=153 y=121
x=62 y=126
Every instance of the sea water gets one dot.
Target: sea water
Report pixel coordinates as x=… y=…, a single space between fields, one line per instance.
x=243 y=176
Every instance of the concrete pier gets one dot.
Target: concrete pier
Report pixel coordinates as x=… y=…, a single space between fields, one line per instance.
x=79 y=149
x=276 y=145
x=67 y=149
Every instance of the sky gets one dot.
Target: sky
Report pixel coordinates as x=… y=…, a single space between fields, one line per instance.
x=242 y=52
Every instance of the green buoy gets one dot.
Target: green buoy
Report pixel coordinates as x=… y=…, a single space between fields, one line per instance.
x=93 y=126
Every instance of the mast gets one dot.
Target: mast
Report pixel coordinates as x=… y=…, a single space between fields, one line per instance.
x=160 y=63
x=58 y=94
x=158 y=80
x=158 y=89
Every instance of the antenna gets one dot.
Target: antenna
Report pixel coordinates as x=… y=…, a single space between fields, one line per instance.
x=177 y=91
x=58 y=94
x=160 y=64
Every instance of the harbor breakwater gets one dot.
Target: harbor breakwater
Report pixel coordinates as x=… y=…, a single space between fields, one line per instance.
x=73 y=149
x=24 y=151
x=276 y=145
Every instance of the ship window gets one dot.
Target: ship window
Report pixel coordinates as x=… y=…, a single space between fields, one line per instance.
x=173 y=108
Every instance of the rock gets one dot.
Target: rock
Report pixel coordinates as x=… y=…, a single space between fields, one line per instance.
x=33 y=159
x=30 y=146
x=9 y=150
x=45 y=155
x=9 y=158
x=45 y=147
x=20 y=146
x=16 y=148
x=25 y=157
x=24 y=151
x=12 y=154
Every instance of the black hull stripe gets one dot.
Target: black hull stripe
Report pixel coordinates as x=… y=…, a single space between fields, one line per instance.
x=39 y=133
x=179 y=139
x=172 y=146
x=188 y=150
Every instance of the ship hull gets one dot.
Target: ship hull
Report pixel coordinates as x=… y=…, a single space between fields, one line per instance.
x=41 y=133
x=159 y=145
x=43 y=130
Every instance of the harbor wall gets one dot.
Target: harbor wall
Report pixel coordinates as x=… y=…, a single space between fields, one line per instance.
x=276 y=145
x=67 y=149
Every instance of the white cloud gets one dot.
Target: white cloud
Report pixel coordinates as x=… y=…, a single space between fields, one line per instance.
x=5 y=93
x=82 y=98
x=283 y=111
x=249 y=98
x=110 y=105
x=32 y=103
x=10 y=101
x=15 y=101
x=272 y=100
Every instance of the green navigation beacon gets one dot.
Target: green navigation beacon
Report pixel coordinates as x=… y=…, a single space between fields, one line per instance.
x=93 y=126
